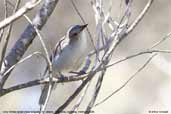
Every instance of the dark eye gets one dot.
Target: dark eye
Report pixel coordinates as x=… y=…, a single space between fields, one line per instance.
x=75 y=34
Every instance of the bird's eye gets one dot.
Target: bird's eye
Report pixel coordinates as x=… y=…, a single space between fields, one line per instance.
x=75 y=34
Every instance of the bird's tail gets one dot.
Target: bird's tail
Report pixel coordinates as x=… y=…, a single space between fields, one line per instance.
x=44 y=97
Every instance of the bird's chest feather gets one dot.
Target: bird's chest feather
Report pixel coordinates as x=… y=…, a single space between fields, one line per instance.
x=70 y=58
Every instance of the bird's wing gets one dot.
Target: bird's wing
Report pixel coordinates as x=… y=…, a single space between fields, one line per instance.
x=59 y=47
x=57 y=50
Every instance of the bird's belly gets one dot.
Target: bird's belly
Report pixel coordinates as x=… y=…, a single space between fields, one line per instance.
x=67 y=62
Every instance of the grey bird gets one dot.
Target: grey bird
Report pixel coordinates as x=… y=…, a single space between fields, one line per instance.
x=70 y=57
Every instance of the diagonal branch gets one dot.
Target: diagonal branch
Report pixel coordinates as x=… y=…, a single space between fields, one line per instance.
x=96 y=92
x=131 y=78
x=27 y=37
x=82 y=19
x=119 y=37
x=8 y=34
x=5 y=16
x=28 y=6
x=38 y=82
x=76 y=92
x=49 y=64
x=140 y=17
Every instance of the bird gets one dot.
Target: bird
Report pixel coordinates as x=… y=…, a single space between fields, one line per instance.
x=68 y=57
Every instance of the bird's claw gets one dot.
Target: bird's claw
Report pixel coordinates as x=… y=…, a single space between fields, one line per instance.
x=61 y=77
x=82 y=72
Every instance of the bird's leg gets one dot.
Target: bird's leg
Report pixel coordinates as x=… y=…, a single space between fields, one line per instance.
x=82 y=72
x=61 y=76
x=85 y=67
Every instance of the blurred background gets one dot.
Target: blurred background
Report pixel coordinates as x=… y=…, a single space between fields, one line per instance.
x=150 y=90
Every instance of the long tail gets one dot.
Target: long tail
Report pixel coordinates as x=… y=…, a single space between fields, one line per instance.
x=44 y=98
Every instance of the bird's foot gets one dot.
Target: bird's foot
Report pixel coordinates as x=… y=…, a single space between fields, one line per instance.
x=61 y=77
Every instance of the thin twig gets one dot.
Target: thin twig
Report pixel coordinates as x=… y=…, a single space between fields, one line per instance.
x=43 y=107
x=38 y=82
x=76 y=92
x=131 y=28
x=76 y=106
x=148 y=51
x=131 y=78
x=113 y=47
x=82 y=19
x=162 y=40
x=76 y=77
x=96 y=92
x=24 y=59
x=28 y=6
x=5 y=16
x=138 y=54
x=8 y=34
x=27 y=37
x=2 y=33
x=140 y=16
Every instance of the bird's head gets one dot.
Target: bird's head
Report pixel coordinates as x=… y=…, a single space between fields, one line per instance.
x=75 y=31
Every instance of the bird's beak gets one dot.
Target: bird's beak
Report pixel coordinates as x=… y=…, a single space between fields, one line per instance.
x=83 y=26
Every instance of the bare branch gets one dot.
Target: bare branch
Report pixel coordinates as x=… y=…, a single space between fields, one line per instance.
x=24 y=9
x=74 y=77
x=48 y=63
x=109 y=43
x=5 y=16
x=138 y=54
x=23 y=60
x=140 y=17
x=77 y=91
x=28 y=6
x=131 y=78
x=8 y=34
x=27 y=37
x=76 y=106
x=162 y=40
x=81 y=17
x=96 y=92
x=40 y=81
x=130 y=29
x=118 y=36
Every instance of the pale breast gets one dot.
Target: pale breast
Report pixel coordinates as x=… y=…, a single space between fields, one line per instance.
x=71 y=57
x=69 y=60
